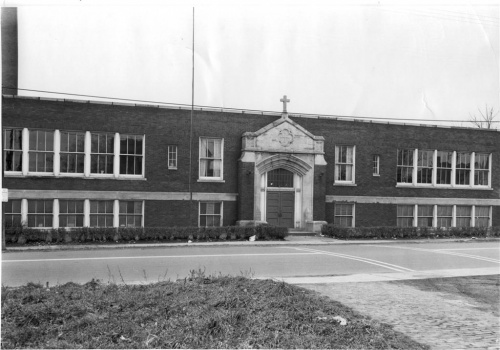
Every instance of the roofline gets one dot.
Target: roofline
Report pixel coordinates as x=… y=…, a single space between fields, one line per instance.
x=245 y=111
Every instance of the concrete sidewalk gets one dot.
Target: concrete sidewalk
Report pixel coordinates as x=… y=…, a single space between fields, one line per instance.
x=293 y=239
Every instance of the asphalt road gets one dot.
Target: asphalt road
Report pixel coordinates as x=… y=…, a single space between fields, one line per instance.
x=145 y=265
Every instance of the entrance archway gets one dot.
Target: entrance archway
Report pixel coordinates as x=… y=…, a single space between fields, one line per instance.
x=281 y=185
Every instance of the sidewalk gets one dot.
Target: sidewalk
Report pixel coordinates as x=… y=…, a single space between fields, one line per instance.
x=290 y=240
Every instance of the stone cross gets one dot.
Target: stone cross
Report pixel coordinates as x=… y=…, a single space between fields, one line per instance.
x=284 y=100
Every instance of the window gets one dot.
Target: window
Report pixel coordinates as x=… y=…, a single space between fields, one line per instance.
x=210 y=214
x=463 y=216
x=344 y=164
x=101 y=213
x=72 y=153
x=444 y=215
x=405 y=166
x=13 y=213
x=425 y=215
x=462 y=175
x=482 y=216
x=405 y=215
x=40 y=213
x=376 y=165
x=444 y=166
x=131 y=154
x=172 y=157
x=130 y=214
x=13 y=149
x=481 y=169
x=211 y=158
x=71 y=213
x=41 y=151
x=424 y=167
x=102 y=151
x=344 y=215
x=280 y=178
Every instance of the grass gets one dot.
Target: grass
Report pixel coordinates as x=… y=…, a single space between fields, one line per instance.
x=485 y=290
x=196 y=312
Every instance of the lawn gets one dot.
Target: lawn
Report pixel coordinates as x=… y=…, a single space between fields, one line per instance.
x=196 y=312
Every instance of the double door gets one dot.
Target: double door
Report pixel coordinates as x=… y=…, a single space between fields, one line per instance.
x=280 y=208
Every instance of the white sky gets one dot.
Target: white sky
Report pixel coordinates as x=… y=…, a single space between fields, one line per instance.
x=427 y=62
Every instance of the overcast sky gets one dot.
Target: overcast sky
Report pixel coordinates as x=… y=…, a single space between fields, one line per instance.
x=427 y=62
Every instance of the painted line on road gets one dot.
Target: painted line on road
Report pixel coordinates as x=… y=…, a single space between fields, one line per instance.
x=469 y=249
x=156 y=257
x=436 y=251
x=357 y=258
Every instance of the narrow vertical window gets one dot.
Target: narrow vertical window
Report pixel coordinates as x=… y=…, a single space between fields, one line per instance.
x=70 y=213
x=40 y=213
x=130 y=213
x=13 y=150
x=102 y=153
x=41 y=151
x=376 y=165
x=425 y=215
x=463 y=216
x=482 y=216
x=131 y=154
x=72 y=153
x=101 y=213
x=344 y=164
x=344 y=214
x=172 y=157
x=444 y=215
x=405 y=166
x=13 y=213
x=405 y=215
x=444 y=166
x=210 y=214
x=211 y=152
x=425 y=167
x=481 y=169
x=462 y=172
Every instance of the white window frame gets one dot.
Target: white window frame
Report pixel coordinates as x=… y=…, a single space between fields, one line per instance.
x=54 y=152
x=352 y=216
x=172 y=157
x=12 y=213
x=353 y=167
x=60 y=155
x=200 y=158
x=61 y=215
x=88 y=150
x=5 y=150
x=454 y=218
x=131 y=214
x=221 y=212
x=119 y=152
x=376 y=165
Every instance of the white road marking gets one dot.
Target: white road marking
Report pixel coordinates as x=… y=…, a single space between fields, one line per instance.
x=156 y=257
x=469 y=249
x=357 y=258
x=440 y=251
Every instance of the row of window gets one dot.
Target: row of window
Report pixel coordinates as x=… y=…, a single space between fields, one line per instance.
x=55 y=213
x=425 y=215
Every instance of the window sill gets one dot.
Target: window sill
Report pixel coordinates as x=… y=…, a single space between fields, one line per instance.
x=70 y=176
x=211 y=180
x=344 y=184
x=376 y=175
x=446 y=187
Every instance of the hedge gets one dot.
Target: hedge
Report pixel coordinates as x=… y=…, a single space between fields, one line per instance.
x=23 y=235
x=407 y=232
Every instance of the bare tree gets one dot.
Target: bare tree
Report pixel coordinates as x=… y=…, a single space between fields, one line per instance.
x=485 y=120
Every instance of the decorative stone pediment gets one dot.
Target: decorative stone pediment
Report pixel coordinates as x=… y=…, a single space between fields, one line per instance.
x=284 y=136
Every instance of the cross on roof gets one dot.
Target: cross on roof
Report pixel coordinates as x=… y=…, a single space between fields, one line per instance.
x=284 y=100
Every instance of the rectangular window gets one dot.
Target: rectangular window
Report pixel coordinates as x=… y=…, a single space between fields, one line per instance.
x=101 y=213
x=130 y=213
x=462 y=172
x=40 y=213
x=481 y=169
x=211 y=151
x=444 y=215
x=344 y=214
x=344 y=164
x=444 y=166
x=425 y=166
x=482 y=216
x=463 y=216
x=41 y=151
x=102 y=151
x=405 y=215
x=425 y=215
x=172 y=157
x=13 y=213
x=210 y=214
x=13 y=150
x=405 y=166
x=70 y=213
x=72 y=153
x=131 y=154
x=376 y=165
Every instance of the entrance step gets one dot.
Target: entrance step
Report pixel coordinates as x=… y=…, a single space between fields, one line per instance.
x=300 y=233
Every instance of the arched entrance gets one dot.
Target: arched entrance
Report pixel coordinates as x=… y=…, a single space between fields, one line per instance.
x=281 y=185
